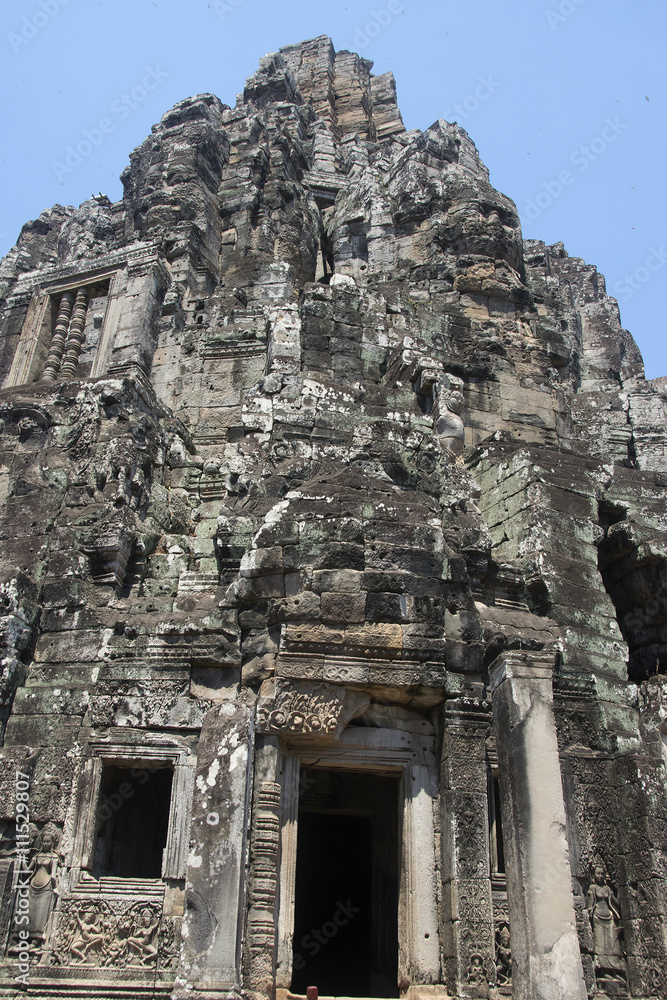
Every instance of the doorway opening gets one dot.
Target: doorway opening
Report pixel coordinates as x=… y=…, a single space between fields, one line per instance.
x=347 y=884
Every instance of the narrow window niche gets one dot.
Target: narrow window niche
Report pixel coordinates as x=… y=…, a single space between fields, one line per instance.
x=132 y=821
x=496 y=845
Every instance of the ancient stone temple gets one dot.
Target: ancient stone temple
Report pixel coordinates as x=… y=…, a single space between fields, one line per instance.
x=334 y=576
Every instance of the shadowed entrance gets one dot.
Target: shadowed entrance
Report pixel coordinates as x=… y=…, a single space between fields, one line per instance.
x=347 y=882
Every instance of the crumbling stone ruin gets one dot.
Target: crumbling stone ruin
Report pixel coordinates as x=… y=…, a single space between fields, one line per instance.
x=334 y=576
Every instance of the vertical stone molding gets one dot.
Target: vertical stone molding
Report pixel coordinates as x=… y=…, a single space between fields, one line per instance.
x=468 y=907
x=546 y=960
x=261 y=930
x=59 y=337
x=75 y=335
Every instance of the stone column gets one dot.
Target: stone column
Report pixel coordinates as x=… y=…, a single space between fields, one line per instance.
x=215 y=899
x=75 y=336
x=546 y=960
x=467 y=899
x=52 y=366
x=419 y=953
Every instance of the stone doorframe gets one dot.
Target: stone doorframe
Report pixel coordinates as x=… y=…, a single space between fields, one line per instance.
x=382 y=752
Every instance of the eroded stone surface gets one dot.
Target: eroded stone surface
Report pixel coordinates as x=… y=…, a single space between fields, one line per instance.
x=296 y=441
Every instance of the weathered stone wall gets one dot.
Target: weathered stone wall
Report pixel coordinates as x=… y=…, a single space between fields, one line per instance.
x=331 y=468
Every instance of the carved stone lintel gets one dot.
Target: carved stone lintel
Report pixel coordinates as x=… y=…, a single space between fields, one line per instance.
x=301 y=707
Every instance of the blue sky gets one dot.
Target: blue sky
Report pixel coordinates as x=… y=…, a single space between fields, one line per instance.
x=565 y=100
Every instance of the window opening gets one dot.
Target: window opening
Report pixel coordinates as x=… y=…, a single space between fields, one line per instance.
x=132 y=821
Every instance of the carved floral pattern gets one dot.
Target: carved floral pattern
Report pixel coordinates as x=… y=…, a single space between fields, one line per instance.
x=303 y=707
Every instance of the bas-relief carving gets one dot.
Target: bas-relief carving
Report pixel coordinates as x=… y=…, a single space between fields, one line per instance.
x=471 y=839
x=111 y=935
x=503 y=958
x=308 y=708
x=475 y=926
x=478 y=977
x=43 y=881
x=605 y=918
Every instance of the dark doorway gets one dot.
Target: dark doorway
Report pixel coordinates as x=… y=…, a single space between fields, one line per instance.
x=132 y=821
x=347 y=883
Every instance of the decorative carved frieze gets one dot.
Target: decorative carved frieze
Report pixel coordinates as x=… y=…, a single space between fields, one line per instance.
x=112 y=934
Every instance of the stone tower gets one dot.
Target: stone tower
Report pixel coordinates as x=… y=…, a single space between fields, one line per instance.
x=333 y=576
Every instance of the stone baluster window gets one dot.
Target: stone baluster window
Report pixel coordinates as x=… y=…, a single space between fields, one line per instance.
x=75 y=331
x=57 y=348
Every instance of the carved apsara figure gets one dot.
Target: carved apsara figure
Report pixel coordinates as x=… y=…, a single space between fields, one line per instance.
x=88 y=939
x=504 y=956
x=140 y=945
x=42 y=886
x=605 y=918
x=478 y=982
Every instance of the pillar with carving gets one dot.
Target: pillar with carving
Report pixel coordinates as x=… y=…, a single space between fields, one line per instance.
x=261 y=934
x=468 y=932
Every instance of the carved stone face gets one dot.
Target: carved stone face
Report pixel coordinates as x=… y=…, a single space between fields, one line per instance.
x=599 y=875
x=504 y=937
x=48 y=842
x=483 y=223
